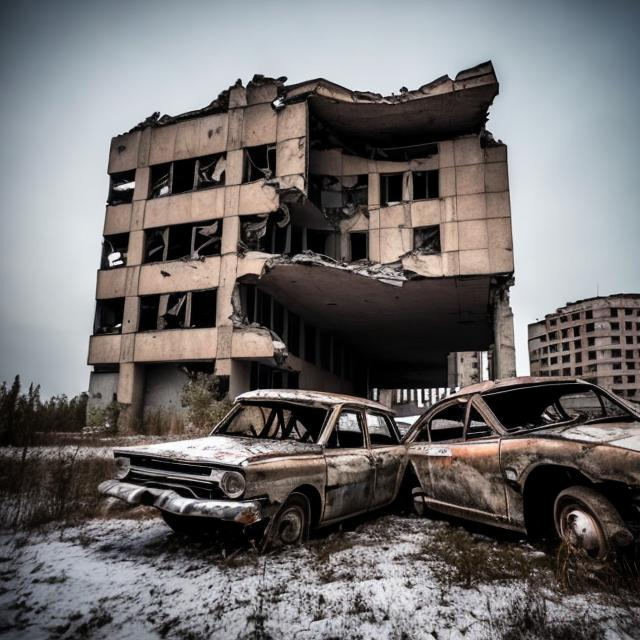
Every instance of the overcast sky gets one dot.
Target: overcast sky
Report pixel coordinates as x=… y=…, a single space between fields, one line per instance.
x=76 y=73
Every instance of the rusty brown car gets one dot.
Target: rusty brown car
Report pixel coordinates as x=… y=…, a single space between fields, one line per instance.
x=280 y=462
x=533 y=455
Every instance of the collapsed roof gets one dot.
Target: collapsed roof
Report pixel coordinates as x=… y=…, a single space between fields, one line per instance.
x=438 y=110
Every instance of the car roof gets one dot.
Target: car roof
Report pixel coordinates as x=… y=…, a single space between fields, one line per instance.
x=316 y=398
x=506 y=383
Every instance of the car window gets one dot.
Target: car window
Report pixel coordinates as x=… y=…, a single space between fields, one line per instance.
x=275 y=421
x=347 y=433
x=548 y=405
x=381 y=431
x=447 y=424
x=477 y=426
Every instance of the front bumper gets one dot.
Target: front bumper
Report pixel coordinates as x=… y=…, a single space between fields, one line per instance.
x=242 y=511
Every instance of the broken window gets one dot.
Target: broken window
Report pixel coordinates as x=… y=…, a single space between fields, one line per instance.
x=183 y=241
x=347 y=433
x=193 y=309
x=390 y=188
x=114 y=251
x=267 y=232
x=183 y=177
x=122 y=187
x=340 y=196
x=358 y=243
x=179 y=243
x=211 y=171
x=259 y=162
x=426 y=184
x=447 y=424
x=203 y=308
x=427 y=239
x=109 y=314
x=148 y=319
x=206 y=239
x=160 y=183
x=173 y=311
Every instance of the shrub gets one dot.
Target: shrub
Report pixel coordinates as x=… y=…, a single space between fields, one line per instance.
x=205 y=401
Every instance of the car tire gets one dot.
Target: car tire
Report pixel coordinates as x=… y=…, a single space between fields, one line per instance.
x=587 y=521
x=290 y=525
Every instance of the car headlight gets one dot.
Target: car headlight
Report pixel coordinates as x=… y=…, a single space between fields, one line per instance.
x=233 y=484
x=122 y=467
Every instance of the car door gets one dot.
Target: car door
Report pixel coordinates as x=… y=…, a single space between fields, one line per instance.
x=431 y=438
x=350 y=470
x=388 y=457
x=465 y=473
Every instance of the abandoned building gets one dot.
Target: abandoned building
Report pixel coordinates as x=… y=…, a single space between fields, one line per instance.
x=597 y=339
x=305 y=235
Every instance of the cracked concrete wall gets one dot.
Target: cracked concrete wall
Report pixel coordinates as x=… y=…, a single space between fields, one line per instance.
x=472 y=210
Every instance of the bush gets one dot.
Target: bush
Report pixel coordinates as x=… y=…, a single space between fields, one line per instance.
x=205 y=401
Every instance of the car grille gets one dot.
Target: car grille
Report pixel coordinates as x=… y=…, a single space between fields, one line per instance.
x=187 y=480
x=170 y=466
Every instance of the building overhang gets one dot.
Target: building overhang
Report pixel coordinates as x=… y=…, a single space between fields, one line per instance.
x=404 y=324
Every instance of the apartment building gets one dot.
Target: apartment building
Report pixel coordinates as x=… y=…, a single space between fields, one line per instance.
x=305 y=235
x=597 y=339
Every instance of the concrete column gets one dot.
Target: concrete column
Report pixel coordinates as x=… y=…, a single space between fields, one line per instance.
x=504 y=352
x=131 y=394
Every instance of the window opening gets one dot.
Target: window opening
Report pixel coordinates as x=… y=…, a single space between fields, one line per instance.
x=109 y=315
x=427 y=239
x=259 y=162
x=160 y=180
x=114 y=251
x=211 y=171
x=426 y=184
x=390 y=188
x=347 y=433
x=122 y=186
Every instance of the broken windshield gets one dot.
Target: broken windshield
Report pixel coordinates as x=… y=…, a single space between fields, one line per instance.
x=275 y=421
x=553 y=405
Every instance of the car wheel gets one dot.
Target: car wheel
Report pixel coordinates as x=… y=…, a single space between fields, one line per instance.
x=586 y=520
x=290 y=526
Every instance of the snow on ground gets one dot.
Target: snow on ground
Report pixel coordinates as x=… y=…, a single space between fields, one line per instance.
x=390 y=577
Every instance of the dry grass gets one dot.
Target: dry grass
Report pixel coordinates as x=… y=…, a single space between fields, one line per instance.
x=41 y=486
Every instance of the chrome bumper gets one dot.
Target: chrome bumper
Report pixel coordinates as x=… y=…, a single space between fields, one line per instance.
x=245 y=512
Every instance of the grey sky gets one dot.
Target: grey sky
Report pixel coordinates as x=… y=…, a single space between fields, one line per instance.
x=76 y=73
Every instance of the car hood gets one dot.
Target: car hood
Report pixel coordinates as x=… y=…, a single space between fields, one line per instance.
x=228 y=450
x=617 y=434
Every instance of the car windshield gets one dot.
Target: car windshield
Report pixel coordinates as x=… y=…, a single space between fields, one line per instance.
x=549 y=405
x=275 y=421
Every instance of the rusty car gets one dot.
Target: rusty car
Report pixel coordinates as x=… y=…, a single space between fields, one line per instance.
x=279 y=463
x=542 y=456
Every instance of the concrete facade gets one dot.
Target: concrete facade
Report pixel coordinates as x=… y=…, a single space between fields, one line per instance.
x=308 y=236
x=597 y=339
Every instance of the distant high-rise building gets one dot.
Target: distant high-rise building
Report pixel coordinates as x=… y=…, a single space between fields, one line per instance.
x=597 y=339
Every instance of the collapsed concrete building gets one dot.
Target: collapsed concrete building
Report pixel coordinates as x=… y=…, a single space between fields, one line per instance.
x=305 y=235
